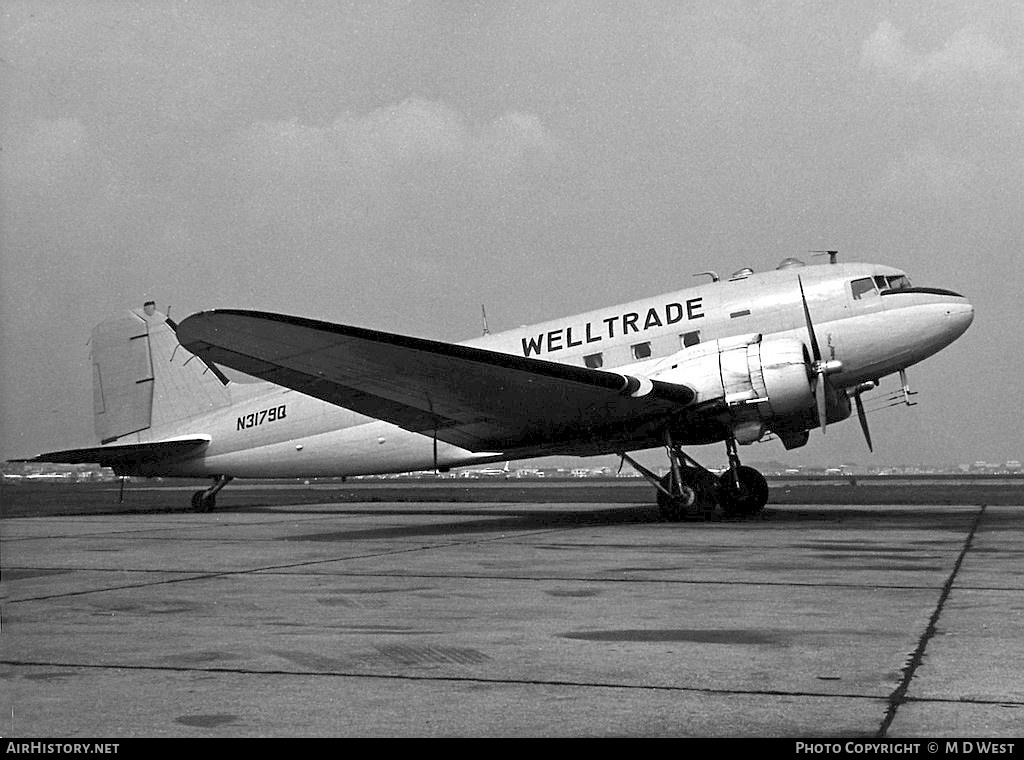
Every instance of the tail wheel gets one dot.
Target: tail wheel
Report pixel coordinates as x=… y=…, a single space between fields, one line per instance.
x=743 y=491
x=695 y=498
x=201 y=502
x=206 y=501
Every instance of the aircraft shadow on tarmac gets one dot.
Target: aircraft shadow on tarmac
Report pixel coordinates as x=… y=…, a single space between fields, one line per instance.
x=540 y=518
x=486 y=521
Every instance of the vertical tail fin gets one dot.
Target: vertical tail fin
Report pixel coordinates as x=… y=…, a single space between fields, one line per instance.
x=145 y=382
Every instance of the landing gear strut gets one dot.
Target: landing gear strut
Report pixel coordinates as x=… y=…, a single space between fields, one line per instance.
x=205 y=501
x=688 y=491
x=691 y=492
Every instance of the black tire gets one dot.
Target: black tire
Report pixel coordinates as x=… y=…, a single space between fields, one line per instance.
x=203 y=503
x=674 y=508
x=698 y=500
x=748 y=497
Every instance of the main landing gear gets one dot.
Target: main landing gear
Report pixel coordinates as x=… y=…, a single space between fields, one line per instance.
x=205 y=501
x=691 y=492
x=742 y=490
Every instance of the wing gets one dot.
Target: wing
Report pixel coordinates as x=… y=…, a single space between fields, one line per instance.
x=477 y=399
x=132 y=458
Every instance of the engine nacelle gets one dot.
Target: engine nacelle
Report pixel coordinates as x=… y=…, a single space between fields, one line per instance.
x=759 y=384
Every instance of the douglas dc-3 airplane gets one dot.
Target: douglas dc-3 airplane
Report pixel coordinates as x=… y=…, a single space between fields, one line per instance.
x=735 y=361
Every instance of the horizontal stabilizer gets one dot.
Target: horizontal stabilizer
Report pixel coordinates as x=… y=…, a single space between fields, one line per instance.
x=128 y=458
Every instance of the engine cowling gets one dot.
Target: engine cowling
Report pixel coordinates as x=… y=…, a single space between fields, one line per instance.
x=768 y=375
x=760 y=385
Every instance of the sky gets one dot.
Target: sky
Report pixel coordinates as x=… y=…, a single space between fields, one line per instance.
x=397 y=164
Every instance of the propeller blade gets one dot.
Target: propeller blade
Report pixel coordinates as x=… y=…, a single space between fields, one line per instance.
x=820 y=393
x=863 y=417
x=821 y=396
x=815 y=351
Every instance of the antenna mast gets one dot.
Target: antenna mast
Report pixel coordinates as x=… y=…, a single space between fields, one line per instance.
x=832 y=255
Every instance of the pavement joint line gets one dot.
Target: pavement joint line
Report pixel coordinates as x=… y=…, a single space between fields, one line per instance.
x=280 y=570
x=272 y=569
x=445 y=679
x=131 y=532
x=899 y=695
x=503 y=681
x=257 y=570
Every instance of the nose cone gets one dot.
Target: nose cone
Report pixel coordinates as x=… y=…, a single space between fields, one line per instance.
x=959 y=316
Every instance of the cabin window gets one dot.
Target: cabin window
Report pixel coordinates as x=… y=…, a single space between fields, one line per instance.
x=642 y=350
x=689 y=338
x=862 y=287
x=594 y=361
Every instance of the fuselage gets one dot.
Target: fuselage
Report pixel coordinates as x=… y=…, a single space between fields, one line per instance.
x=866 y=317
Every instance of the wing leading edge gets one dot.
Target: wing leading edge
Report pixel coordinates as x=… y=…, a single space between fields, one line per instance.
x=477 y=399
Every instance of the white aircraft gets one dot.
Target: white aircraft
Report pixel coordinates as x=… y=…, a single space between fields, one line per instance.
x=735 y=361
x=487 y=472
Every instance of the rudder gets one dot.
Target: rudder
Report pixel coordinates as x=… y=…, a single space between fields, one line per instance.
x=145 y=384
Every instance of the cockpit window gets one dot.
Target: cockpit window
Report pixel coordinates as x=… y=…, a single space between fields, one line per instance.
x=863 y=287
x=898 y=282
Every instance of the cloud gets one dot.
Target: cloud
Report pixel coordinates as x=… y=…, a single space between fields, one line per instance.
x=516 y=139
x=414 y=130
x=354 y=168
x=967 y=53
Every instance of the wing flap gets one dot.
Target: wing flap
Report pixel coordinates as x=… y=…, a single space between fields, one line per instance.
x=471 y=397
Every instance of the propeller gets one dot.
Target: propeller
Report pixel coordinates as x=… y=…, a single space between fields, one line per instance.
x=818 y=367
x=863 y=417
